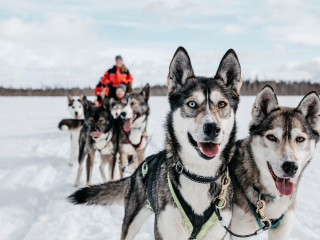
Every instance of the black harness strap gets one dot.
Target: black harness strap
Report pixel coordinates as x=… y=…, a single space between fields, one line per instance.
x=196 y=220
x=194 y=177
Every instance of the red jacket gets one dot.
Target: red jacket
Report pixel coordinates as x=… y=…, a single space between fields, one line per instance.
x=115 y=77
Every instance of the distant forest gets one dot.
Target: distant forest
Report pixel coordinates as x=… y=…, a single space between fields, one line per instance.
x=248 y=88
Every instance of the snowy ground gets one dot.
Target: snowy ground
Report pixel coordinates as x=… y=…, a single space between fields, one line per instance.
x=35 y=178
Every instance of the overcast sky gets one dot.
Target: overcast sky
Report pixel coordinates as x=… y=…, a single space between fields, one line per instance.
x=72 y=43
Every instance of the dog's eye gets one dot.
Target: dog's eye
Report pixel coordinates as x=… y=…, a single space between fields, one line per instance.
x=222 y=104
x=300 y=139
x=192 y=104
x=132 y=103
x=272 y=138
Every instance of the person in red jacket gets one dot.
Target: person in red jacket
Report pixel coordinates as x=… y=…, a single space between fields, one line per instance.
x=115 y=76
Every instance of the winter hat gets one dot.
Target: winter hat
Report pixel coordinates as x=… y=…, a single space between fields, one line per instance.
x=118 y=57
x=123 y=86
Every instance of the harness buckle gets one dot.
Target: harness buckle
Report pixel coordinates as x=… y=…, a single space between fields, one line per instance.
x=225 y=182
x=260 y=211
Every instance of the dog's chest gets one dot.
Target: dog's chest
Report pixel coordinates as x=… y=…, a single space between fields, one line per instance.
x=275 y=209
x=195 y=194
x=171 y=225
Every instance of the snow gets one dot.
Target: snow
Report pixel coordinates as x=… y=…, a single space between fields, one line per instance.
x=35 y=178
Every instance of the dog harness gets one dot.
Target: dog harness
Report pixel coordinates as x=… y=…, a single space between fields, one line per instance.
x=197 y=225
x=263 y=221
x=135 y=146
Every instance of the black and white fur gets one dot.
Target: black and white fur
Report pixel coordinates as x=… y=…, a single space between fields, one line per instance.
x=281 y=144
x=182 y=123
x=74 y=125
x=137 y=109
x=96 y=135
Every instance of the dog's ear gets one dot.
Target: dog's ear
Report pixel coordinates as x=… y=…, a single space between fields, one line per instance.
x=180 y=70
x=310 y=109
x=229 y=71
x=145 y=92
x=70 y=98
x=111 y=101
x=265 y=102
x=85 y=103
x=105 y=103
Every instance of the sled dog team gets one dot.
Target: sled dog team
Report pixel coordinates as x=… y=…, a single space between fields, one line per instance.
x=203 y=184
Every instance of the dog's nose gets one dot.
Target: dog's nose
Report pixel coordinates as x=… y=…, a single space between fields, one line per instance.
x=290 y=168
x=76 y=113
x=211 y=129
x=123 y=114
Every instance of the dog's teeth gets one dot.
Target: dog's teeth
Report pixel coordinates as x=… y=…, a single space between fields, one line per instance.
x=201 y=150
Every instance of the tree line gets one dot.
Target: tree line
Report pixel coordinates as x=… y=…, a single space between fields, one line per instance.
x=248 y=88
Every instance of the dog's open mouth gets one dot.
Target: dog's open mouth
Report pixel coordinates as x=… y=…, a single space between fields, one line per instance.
x=284 y=185
x=206 y=150
x=95 y=134
x=128 y=124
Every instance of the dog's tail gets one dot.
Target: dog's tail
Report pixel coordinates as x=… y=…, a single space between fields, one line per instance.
x=70 y=124
x=103 y=194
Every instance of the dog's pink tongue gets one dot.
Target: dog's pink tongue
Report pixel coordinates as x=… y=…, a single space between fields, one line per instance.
x=209 y=149
x=284 y=185
x=95 y=134
x=127 y=124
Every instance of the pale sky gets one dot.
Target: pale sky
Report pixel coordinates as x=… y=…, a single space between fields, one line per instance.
x=72 y=43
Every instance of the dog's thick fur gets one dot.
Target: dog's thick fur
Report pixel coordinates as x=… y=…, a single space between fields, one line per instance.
x=281 y=137
x=74 y=125
x=195 y=102
x=96 y=135
x=133 y=141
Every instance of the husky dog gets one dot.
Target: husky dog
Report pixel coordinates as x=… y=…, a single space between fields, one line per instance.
x=181 y=182
x=133 y=137
x=116 y=106
x=74 y=125
x=269 y=163
x=96 y=134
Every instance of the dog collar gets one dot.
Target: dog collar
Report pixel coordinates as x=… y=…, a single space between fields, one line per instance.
x=194 y=177
x=261 y=194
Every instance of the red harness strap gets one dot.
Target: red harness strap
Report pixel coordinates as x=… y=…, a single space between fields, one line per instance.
x=135 y=146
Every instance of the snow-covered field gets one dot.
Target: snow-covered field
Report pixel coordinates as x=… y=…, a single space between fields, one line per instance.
x=35 y=178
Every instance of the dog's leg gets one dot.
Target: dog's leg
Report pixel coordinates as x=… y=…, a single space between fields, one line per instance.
x=81 y=156
x=136 y=212
x=111 y=167
x=74 y=144
x=282 y=232
x=141 y=156
x=242 y=222
x=104 y=160
x=123 y=163
x=90 y=160
x=133 y=222
x=170 y=225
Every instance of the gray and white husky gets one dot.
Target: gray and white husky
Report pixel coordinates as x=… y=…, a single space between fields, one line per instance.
x=133 y=133
x=269 y=163
x=74 y=125
x=181 y=182
x=96 y=135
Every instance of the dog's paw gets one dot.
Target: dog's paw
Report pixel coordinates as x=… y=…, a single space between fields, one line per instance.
x=125 y=169
x=64 y=128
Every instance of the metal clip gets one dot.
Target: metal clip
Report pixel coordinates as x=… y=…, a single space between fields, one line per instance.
x=225 y=182
x=260 y=211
